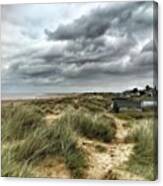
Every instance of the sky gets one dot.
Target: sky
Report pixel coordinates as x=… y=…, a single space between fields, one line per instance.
x=77 y=47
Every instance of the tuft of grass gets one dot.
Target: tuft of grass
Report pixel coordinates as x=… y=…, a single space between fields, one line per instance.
x=18 y=121
x=100 y=128
x=12 y=168
x=76 y=161
x=66 y=139
x=143 y=161
x=59 y=139
x=34 y=146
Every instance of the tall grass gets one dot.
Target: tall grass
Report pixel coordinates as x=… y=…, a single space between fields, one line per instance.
x=10 y=167
x=100 y=128
x=58 y=140
x=33 y=140
x=18 y=121
x=143 y=161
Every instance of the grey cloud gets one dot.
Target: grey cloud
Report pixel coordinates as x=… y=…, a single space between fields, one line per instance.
x=90 y=28
x=150 y=46
x=100 y=20
x=104 y=45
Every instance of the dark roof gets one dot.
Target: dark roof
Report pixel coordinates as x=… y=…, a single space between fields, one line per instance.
x=119 y=98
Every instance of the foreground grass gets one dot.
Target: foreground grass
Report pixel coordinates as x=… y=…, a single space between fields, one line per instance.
x=18 y=121
x=143 y=161
x=27 y=140
x=12 y=168
x=134 y=115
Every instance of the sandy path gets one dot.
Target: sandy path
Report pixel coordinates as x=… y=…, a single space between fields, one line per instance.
x=101 y=164
x=122 y=131
x=52 y=167
x=49 y=118
x=117 y=153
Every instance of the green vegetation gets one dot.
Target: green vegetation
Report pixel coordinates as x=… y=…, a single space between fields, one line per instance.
x=143 y=160
x=132 y=115
x=91 y=102
x=18 y=121
x=27 y=140
x=98 y=127
x=29 y=136
x=12 y=168
x=35 y=141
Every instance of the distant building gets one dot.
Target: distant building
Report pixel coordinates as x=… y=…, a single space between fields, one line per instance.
x=119 y=104
x=148 y=104
x=147 y=92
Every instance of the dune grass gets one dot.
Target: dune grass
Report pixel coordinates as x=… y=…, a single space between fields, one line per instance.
x=18 y=121
x=59 y=140
x=143 y=161
x=12 y=168
x=27 y=140
x=33 y=141
x=134 y=115
x=93 y=127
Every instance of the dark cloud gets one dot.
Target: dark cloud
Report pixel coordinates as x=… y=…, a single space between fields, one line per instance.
x=110 y=44
x=102 y=19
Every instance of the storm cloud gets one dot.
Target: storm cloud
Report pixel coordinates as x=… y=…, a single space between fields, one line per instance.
x=87 y=47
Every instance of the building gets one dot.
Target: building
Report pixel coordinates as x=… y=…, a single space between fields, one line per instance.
x=119 y=104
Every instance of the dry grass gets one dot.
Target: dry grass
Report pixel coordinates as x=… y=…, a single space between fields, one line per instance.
x=143 y=161
x=28 y=139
